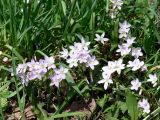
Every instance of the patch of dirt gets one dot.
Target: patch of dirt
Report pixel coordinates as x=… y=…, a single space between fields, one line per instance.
x=16 y=115
x=87 y=108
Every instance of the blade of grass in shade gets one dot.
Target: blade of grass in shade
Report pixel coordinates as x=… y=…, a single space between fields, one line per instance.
x=20 y=37
x=4 y=86
x=153 y=57
x=21 y=104
x=153 y=114
x=44 y=113
x=69 y=18
x=114 y=39
x=15 y=92
x=63 y=4
x=15 y=52
x=70 y=95
x=1 y=110
x=40 y=52
x=12 y=10
x=92 y=25
x=107 y=6
x=67 y=114
x=72 y=83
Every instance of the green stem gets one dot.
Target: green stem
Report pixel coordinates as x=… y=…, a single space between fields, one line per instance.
x=153 y=114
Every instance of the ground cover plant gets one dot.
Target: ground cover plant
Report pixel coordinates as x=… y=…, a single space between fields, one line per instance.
x=79 y=59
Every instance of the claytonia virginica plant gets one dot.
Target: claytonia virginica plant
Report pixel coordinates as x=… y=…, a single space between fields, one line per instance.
x=124 y=29
x=116 y=6
x=123 y=49
x=136 y=52
x=153 y=79
x=37 y=70
x=80 y=59
x=135 y=65
x=135 y=84
x=59 y=75
x=101 y=38
x=144 y=105
x=79 y=54
x=113 y=66
x=126 y=49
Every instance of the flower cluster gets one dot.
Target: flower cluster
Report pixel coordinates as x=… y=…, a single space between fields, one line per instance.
x=116 y=6
x=113 y=66
x=59 y=75
x=79 y=54
x=125 y=49
x=37 y=69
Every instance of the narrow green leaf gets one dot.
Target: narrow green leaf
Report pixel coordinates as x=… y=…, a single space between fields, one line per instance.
x=132 y=105
x=67 y=114
x=15 y=52
x=72 y=83
x=63 y=7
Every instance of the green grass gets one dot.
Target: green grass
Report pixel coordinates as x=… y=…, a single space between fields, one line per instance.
x=39 y=28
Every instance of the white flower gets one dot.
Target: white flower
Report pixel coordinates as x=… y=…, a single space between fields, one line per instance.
x=0 y=52
x=82 y=45
x=83 y=56
x=113 y=13
x=153 y=79
x=130 y=41
x=107 y=70
x=123 y=50
x=42 y=66
x=5 y=59
x=55 y=80
x=117 y=4
x=119 y=66
x=135 y=84
x=124 y=29
x=144 y=105
x=106 y=75
x=135 y=65
x=34 y=74
x=72 y=62
x=64 y=54
x=59 y=75
x=106 y=82
x=33 y=65
x=21 y=69
x=136 y=52
x=91 y=62
x=144 y=68
x=61 y=71
x=112 y=67
x=50 y=62
x=101 y=38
